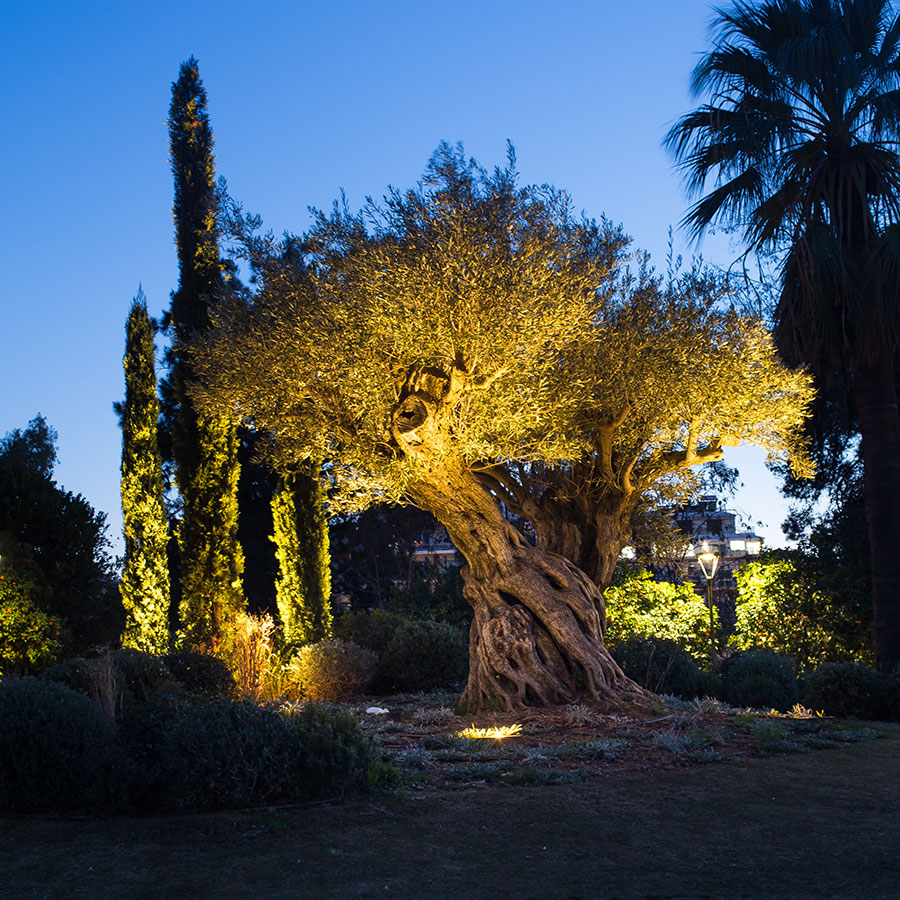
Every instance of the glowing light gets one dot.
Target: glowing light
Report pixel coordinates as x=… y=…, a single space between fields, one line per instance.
x=498 y=732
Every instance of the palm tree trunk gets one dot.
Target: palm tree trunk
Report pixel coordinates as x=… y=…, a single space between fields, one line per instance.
x=879 y=424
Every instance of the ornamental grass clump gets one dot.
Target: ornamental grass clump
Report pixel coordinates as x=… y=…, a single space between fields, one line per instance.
x=332 y=670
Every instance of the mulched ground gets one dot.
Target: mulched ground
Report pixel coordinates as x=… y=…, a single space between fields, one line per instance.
x=424 y=740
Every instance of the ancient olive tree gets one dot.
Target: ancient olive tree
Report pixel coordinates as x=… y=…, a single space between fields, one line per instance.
x=674 y=377
x=438 y=337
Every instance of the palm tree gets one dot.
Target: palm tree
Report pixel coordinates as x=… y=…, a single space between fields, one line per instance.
x=798 y=147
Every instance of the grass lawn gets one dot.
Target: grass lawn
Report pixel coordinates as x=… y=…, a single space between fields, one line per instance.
x=819 y=824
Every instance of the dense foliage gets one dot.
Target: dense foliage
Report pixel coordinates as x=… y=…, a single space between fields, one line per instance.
x=797 y=147
x=760 y=678
x=30 y=639
x=637 y=604
x=56 y=746
x=782 y=606
x=423 y=656
x=53 y=539
x=332 y=669
x=303 y=582
x=660 y=665
x=204 y=445
x=144 y=584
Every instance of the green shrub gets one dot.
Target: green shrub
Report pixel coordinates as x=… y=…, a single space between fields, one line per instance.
x=658 y=664
x=332 y=670
x=137 y=675
x=75 y=673
x=847 y=689
x=201 y=674
x=782 y=606
x=638 y=604
x=423 y=656
x=141 y=674
x=759 y=678
x=225 y=754
x=56 y=748
x=372 y=629
x=30 y=639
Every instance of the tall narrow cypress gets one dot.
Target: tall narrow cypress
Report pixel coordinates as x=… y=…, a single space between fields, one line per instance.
x=204 y=447
x=144 y=586
x=303 y=583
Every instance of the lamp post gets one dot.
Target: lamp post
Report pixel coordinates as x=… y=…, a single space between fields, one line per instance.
x=708 y=562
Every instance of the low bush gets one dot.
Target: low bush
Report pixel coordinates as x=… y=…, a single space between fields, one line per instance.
x=131 y=675
x=759 y=678
x=141 y=674
x=201 y=674
x=228 y=754
x=660 y=665
x=423 y=656
x=847 y=689
x=56 y=748
x=372 y=629
x=332 y=670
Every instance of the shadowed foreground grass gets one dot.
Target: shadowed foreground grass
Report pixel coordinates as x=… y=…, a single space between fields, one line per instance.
x=817 y=825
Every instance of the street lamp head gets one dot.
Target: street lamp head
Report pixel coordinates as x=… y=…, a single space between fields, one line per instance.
x=708 y=562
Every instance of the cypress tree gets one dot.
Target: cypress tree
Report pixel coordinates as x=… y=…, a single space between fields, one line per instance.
x=303 y=583
x=144 y=586
x=204 y=447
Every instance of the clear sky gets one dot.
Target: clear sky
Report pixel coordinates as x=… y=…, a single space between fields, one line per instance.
x=305 y=98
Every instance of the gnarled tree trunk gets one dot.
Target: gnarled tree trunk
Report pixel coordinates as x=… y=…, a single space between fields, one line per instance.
x=537 y=636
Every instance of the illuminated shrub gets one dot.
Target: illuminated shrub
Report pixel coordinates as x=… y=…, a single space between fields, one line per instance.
x=780 y=606
x=227 y=754
x=660 y=665
x=637 y=604
x=847 y=689
x=759 y=678
x=56 y=748
x=423 y=656
x=30 y=639
x=201 y=674
x=332 y=670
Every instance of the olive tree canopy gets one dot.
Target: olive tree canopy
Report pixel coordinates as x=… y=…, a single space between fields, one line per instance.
x=471 y=347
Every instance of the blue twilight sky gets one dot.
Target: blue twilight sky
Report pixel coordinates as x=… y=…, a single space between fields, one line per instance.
x=304 y=99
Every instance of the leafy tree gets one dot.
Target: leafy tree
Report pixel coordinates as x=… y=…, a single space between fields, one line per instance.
x=798 y=147
x=468 y=323
x=784 y=605
x=54 y=540
x=30 y=639
x=204 y=445
x=144 y=585
x=637 y=604
x=303 y=583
